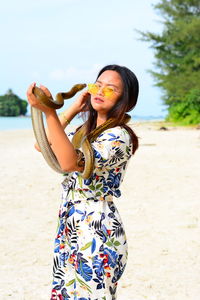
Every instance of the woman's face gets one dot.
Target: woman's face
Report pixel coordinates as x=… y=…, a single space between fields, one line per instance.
x=107 y=91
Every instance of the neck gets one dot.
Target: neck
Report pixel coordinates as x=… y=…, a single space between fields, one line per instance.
x=101 y=119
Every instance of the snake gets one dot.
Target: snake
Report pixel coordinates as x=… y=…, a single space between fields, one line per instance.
x=80 y=139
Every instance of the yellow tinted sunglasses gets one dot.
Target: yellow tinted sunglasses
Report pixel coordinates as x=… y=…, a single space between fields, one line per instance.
x=94 y=88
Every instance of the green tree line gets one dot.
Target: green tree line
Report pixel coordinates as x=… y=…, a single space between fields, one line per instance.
x=177 y=58
x=12 y=105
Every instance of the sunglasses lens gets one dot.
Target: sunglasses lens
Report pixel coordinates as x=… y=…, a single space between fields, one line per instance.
x=93 y=88
x=108 y=92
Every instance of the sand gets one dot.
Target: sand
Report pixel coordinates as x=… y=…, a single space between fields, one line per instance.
x=160 y=207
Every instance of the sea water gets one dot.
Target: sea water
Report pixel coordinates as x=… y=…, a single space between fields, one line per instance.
x=24 y=122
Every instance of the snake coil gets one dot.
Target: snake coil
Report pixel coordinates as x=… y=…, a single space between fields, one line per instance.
x=80 y=140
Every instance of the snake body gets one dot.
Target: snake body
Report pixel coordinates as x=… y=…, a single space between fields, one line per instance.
x=80 y=138
x=60 y=97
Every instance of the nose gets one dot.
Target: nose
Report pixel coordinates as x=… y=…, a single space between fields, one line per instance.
x=100 y=91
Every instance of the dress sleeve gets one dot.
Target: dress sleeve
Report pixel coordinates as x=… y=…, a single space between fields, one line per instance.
x=70 y=135
x=112 y=148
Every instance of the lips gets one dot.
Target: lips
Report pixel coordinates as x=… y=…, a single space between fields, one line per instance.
x=98 y=100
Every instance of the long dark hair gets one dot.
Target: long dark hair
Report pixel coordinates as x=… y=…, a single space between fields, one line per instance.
x=125 y=104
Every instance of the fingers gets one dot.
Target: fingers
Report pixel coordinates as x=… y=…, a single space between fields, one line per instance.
x=86 y=93
x=30 y=90
x=31 y=97
x=37 y=147
x=84 y=96
x=34 y=101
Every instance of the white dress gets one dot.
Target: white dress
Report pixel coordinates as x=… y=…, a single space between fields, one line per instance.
x=90 y=251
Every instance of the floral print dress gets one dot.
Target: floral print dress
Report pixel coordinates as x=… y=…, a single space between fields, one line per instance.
x=90 y=251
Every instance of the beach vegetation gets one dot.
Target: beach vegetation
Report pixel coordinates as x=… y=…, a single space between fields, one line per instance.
x=177 y=60
x=11 y=105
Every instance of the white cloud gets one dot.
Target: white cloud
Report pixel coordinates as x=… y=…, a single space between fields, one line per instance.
x=75 y=73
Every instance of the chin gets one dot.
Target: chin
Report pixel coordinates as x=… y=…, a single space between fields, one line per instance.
x=96 y=107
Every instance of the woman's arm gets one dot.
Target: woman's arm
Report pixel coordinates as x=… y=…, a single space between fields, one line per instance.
x=64 y=118
x=61 y=145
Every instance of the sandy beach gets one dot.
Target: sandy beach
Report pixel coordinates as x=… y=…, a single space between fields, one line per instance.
x=160 y=207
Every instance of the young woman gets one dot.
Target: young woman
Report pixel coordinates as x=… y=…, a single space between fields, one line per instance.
x=90 y=252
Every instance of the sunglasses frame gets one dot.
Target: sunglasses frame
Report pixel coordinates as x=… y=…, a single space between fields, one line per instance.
x=93 y=89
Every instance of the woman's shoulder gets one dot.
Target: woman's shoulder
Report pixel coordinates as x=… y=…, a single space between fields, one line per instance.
x=117 y=129
x=115 y=133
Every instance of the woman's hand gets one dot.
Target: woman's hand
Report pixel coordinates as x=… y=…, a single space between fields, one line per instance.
x=81 y=101
x=33 y=100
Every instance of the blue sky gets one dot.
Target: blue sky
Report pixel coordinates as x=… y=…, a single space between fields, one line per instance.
x=62 y=42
